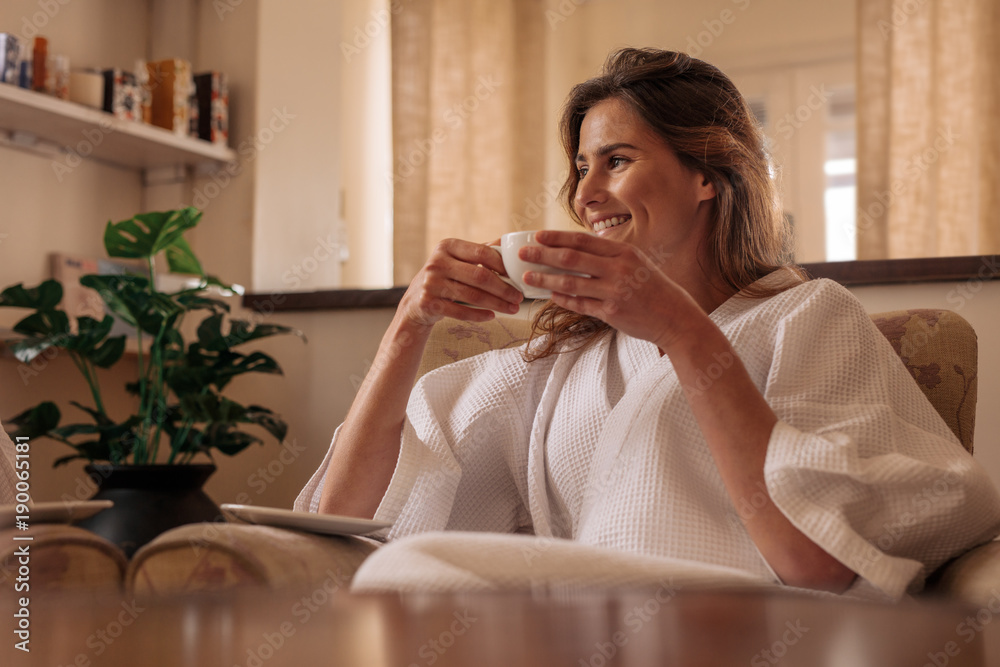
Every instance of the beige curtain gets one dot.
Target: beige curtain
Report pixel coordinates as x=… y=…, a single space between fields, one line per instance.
x=467 y=121
x=928 y=128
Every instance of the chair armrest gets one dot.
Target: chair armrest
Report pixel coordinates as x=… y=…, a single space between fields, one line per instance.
x=219 y=556
x=974 y=577
x=62 y=557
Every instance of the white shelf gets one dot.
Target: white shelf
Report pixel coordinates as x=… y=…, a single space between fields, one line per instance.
x=75 y=127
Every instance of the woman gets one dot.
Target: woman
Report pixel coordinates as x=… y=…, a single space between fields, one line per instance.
x=690 y=399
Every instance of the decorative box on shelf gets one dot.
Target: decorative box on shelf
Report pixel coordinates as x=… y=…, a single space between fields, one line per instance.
x=122 y=97
x=212 y=90
x=172 y=86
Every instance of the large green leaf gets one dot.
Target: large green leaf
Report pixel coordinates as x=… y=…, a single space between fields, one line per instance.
x=147 y=234
x=210 y=334
x=92 y=450
x=126 y=295
x=44 y=323
x=242 y=331
x=47 y=329
x=69 y=430
x=181 y=259
x=108 y=353
x=192 y=300
x=130 y=298
x=27 y=349
x=35 y=422
x=267 y=420
x=227 y=440
x=44 y=297
x=90 y=332
x=231 y=364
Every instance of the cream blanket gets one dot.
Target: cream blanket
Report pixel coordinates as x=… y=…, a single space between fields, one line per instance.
x=599 y=449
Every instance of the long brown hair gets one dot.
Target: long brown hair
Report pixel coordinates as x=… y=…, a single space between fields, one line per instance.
x=701 y=115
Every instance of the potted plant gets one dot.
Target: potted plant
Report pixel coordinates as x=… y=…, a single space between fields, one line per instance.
x=145 y=461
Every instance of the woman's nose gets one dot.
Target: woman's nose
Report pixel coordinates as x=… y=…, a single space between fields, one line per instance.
x=590 y=190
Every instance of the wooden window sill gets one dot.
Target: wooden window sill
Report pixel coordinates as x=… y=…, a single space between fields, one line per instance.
x=869 y=272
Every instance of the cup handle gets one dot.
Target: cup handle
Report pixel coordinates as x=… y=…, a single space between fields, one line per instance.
x=504 y=278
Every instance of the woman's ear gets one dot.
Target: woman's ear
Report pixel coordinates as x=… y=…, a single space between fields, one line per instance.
x=706 y=188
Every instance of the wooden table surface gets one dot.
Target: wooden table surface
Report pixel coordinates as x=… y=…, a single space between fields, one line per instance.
x=660 y=626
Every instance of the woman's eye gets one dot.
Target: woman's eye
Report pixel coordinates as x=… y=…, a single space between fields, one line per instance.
x=581 y=172
x=617 y=161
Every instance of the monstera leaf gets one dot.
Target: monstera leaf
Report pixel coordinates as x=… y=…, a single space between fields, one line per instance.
x=148 y=234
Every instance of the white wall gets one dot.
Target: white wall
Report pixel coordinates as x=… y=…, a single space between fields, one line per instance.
x=366 y=136
x=297 y=199
x=45 y=211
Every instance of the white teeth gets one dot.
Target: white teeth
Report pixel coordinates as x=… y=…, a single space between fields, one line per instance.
x=610 y=222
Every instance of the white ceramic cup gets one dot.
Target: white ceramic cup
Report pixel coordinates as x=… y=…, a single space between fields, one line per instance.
x=515 y=267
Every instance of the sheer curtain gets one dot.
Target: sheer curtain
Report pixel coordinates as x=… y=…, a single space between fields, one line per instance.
x=928 y=131
x=467 y=121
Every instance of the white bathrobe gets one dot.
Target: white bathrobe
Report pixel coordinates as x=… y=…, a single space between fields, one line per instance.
x=600 y=450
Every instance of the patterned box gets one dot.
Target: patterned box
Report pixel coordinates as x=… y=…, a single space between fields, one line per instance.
x=122 y=95
x=171 y=86
x=8 y=58
x=213 y=107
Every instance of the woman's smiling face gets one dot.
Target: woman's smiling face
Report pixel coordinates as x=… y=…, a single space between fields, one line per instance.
x=632 y=186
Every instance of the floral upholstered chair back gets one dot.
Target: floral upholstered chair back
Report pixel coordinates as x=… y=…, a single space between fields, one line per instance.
x=938 y=347
x=940 y=350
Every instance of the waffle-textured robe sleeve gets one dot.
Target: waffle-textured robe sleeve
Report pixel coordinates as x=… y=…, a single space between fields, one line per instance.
x=464 y=449
x=860 y=461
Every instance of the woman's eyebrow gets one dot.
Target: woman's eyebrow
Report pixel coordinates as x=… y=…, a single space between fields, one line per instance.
x=605 y=149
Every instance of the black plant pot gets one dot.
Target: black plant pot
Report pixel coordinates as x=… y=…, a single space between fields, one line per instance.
x=148 y=500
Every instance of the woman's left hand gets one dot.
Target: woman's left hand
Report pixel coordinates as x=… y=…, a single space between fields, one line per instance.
x=626 y=287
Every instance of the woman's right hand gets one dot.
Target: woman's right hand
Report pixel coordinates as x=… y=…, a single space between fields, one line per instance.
x=459 y=280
